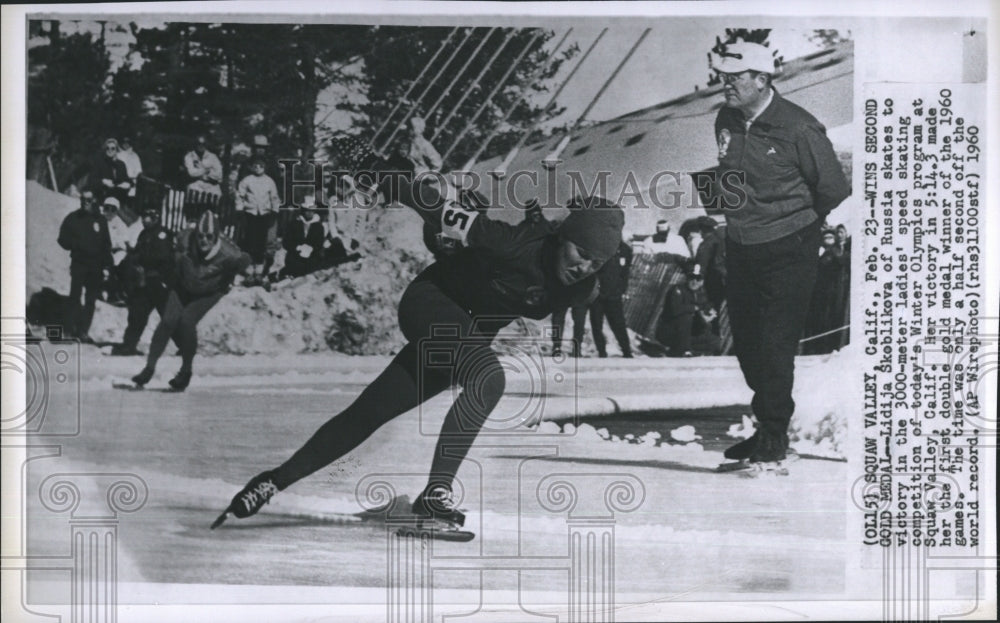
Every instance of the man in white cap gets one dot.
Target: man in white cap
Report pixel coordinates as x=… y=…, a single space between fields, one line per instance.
x=792 y=179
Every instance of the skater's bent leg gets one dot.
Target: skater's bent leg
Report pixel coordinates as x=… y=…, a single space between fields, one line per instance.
x=168 y=325
x=394 y=392
x=187 y=328
x=482 y=379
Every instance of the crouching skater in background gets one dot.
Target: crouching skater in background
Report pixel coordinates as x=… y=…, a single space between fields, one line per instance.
x=500 y=273
x=205 y=265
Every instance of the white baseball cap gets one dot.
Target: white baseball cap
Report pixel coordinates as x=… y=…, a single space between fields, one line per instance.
x=744 y=56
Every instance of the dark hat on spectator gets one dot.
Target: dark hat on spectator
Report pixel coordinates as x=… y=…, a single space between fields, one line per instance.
x=707 y=223
x=692 y=270
x=595 y=225
x=257 y=160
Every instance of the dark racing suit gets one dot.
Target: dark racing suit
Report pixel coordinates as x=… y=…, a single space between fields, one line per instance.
x=449 y=315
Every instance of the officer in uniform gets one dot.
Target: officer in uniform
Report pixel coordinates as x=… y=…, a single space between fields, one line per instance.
x=148 y=272
x=84 y=233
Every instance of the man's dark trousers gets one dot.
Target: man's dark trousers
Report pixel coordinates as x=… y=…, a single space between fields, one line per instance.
x=579 y=314
x=769 y=287
x=85 y=279
x=141 y=303
x=611 y=308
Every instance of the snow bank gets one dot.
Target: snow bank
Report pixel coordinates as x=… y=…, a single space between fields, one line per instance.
x=350 y=308
x=824 y=399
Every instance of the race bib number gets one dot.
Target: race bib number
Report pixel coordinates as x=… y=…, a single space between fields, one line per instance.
x=456 y=222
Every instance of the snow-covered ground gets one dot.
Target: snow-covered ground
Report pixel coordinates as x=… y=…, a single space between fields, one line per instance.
x=696 y=533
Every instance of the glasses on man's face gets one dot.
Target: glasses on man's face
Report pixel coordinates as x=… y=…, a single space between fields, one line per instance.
x=732 y=78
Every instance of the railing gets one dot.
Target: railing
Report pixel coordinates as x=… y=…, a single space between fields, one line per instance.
x=181 y=208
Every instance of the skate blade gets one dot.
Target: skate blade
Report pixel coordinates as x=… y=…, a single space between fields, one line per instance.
x=129 y=387
x=132 y=387
x=220 y=519
x=734 y=466
x=437 y=532
x=759 y=470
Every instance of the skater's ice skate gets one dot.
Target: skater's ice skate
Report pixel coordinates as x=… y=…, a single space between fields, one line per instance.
x=251 y=499
x=435 y=516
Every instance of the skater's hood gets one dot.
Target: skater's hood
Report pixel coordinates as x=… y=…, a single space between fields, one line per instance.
x=595 y=225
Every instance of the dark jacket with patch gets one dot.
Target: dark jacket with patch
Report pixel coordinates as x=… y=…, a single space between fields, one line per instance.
x=85 y=235
x=613 y=276
x=154 y=252
x=792 y=174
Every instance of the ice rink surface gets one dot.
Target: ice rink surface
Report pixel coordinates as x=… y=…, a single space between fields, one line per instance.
x=689 y=533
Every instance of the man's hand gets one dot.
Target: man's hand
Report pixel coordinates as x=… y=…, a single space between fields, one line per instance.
x=108 y=183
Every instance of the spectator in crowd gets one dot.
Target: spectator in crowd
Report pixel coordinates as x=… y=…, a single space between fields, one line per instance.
x=792 y=179
x=206 y=263
x=84 y=233
x=686 y=312
x=109 y=177
x=148 y=269
x=690 y=232
x=843 y=239
x=844 y=244
x=257 y=199
x=419 y=150
x=261 y=148
x=711 y=257
x=664 y=242
x=133 y=165
x=825 y=308
x=303 y=241
x=204 y=169
x=337 y=249
x=613 y=283
x=123 y=238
